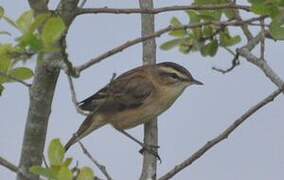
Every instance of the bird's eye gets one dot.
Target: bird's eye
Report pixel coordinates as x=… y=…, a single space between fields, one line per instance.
x=173 y=75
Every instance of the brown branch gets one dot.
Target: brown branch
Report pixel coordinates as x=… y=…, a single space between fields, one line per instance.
x=9 y=165
x=157 y=34
x=235 y=63
x=225 y=134
x=244 y=27
x=12 y=167
x=15 y=79
x=245 y=52
x=81 y=11
x=100 y=166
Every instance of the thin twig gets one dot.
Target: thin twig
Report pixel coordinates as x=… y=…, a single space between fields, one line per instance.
x=81 y=11
x=100 y=166
x=235 y=63
x=9 y=165
x=157 y=34
x=15 y=79
x=12 y=167
x=44 y=161
x=74 y=98
x=225 y=134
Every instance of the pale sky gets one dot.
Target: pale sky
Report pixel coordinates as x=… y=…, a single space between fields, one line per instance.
x=253 y=151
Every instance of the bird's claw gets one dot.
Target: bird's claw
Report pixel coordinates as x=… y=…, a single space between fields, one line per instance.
x=152 y=149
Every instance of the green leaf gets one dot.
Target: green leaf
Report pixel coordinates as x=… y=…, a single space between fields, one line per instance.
x=265 y=9
x=210 y=48
x=64 y=174
x=229 y=13
x=175 y=22
x=226 y=40
x=21 y=73
x=56 y=153
x=1 y=89
x=2 y=12
x=67 y=162
x=5 y=60
x=30 y=40
x=277 y=29
x=25 y=20
x=177 y=33
x=86 y=174
x=52 y=31
x=207 y=31
x=170 y=44
x=185 y=49
x=46 y=172
x=5 y=63
x=193 y=17
x=39 y=21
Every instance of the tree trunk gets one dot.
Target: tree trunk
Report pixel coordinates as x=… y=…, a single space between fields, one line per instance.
x=41 y=95
x=149 y=57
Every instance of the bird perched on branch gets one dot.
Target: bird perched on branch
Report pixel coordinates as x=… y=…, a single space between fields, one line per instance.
x=133 y=98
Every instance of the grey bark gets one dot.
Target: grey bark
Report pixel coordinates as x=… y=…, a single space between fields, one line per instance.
x=41 y=96
x=151 y=128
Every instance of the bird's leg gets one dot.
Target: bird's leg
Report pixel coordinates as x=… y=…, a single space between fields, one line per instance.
x=150 y=148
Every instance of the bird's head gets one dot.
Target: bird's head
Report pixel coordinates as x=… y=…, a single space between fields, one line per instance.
x=172 y=74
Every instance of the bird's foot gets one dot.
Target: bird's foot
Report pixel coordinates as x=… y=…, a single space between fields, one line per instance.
x=152 y=149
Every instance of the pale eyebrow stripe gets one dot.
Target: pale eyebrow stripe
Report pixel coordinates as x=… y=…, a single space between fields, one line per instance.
x=172 y=70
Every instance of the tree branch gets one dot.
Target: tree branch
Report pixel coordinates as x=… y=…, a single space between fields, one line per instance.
x=101 y=167
x=12 y=167
x=244 y=27
x=107 y=10
x=245 y=51
x=15 y=79
x=9 y=165
x=157 y=34
x=225 y=134
x=235 y=63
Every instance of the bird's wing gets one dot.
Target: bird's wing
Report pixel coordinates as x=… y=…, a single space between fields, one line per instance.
x=120 y=94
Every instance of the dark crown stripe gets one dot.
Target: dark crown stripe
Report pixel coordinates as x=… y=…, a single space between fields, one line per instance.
x=176 y=67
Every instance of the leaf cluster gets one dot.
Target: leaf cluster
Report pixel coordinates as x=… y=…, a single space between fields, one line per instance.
x=208 y=38
x=38 y=35
x=59 y=166
x=275 y=10
x=205 y=39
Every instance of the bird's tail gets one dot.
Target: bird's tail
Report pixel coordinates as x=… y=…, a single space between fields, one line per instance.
x=90 y=124
x=71 y=141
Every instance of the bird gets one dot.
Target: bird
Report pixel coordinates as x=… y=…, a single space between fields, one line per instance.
x=133 y=98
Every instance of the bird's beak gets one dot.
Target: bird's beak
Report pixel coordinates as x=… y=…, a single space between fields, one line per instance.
x=197 y=82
